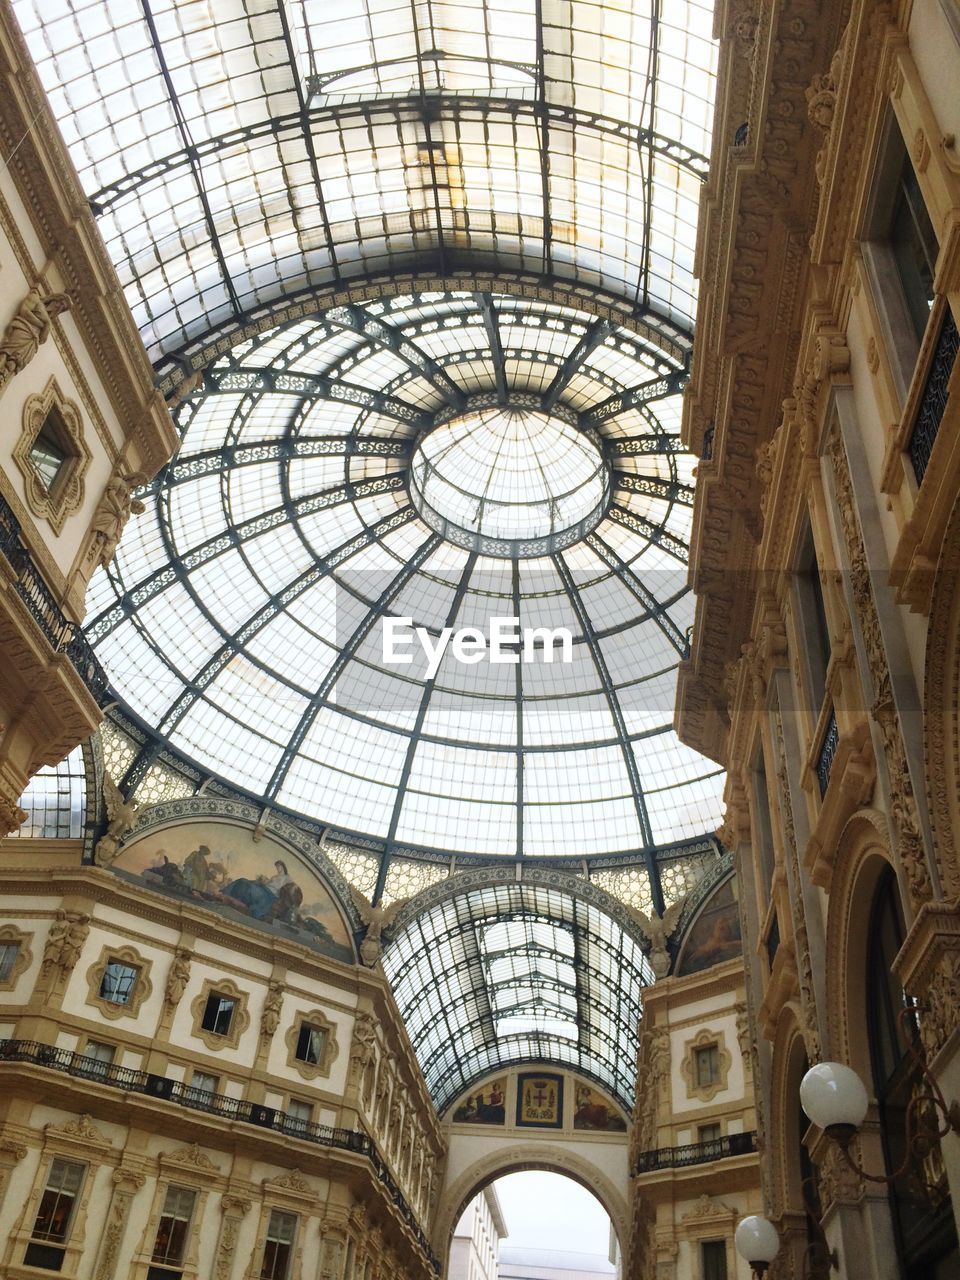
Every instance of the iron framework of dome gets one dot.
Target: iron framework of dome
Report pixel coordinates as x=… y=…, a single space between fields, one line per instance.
x=243 y=616
x=340 y=234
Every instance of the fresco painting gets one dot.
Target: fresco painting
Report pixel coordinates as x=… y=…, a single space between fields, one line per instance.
x=715 y=934
x=219 y=864
x=485 y=1105
x=593 y=1113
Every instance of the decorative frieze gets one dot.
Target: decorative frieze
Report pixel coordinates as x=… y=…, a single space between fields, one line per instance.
x=904 y=812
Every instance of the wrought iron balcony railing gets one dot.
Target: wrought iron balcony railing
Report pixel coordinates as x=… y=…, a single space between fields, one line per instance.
x=933 y=401
x=734 y=1144
x=218 y=1104
x=63 y=636
x=828 y=749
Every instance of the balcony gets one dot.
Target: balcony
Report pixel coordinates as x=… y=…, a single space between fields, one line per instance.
x=933 y=396
x=734 y=1144
x=217 y=1104
x=63 y=636
x=827 y=753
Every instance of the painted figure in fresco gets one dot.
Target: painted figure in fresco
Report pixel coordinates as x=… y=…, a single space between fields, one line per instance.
x=196 y=868
x=483 y=1107
x=274 y=899
x=167 y=872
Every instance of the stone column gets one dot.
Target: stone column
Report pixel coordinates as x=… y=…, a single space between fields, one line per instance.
x=234 y=1210
x=11 y=1153
x=126 y=1184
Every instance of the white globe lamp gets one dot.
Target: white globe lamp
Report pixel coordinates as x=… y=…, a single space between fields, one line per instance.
x=756 y=1239
x=834 y=1098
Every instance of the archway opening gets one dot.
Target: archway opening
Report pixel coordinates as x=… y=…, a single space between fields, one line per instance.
x=534 y=1223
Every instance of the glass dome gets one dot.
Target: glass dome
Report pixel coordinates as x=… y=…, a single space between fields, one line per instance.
x=245 y=619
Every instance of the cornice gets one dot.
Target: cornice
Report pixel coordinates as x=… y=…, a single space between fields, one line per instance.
x=749 y=325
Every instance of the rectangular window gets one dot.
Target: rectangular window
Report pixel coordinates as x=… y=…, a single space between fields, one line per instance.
x=279 y=1246
x=713 y=1259
x=49 y=451
x=174 y=1226
x=202 y=1087
x=707 y=1063
x=310 y=1043
x=98 y=1056
x=900 y=251
x=299 y=1115
x=709 y=1133
x=814 y=629
x=914 y=245
x=218 y=1014
x=764 y=826
x=118 y=982
x=9 y=951
x=55 y=1215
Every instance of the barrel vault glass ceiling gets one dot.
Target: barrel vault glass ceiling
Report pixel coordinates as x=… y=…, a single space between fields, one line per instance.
x=385 y=239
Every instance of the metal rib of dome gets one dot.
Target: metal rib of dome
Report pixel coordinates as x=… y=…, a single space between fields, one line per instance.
x=243 y=612
x=236 y=155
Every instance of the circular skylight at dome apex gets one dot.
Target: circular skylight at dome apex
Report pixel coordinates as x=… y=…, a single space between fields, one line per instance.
x=510 y=481
x=243 y=621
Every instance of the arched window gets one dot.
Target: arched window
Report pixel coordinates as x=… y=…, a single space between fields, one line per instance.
x=920 y=1200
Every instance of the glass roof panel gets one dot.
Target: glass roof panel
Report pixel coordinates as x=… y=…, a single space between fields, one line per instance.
x=514 y=973
x=235 y=156
x=245 y=614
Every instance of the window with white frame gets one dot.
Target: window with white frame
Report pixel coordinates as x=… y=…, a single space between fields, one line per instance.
x=173 y=1230
x=278 y=1248
x=55 y=1215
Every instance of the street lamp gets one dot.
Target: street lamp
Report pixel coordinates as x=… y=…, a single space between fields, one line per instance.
x=756 y=1240
x=834 y=1098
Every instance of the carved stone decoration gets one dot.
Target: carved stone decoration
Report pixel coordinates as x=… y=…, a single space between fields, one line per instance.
x=65 y=494
x=140 y=990
x=10 y=935
x=292 y=1181
x=657 y=930
x=80 y=1130
x=744 y=1039
x=328 y=1053
x=272 y=1005
x=941 y=1000
x=703 y=1040
x=822 y=103
x=904 y=812
x=122 y=814
x=28 y=331
x=112 y=514
x=234 y=1209
x=11 y=1153
x=126 y=1183
x=376 y=920
x=191 y=383
x=839 y=1183
x=178 y=977
x=808 y=1005
x=65 y=942
x=363 y=1052
x=191 y=1155
x=239 y=1021
x=707 y=1207
x=11 y=816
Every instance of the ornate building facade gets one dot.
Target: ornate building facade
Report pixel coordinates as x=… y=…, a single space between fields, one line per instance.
x=823 y=408
x=297 y=955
